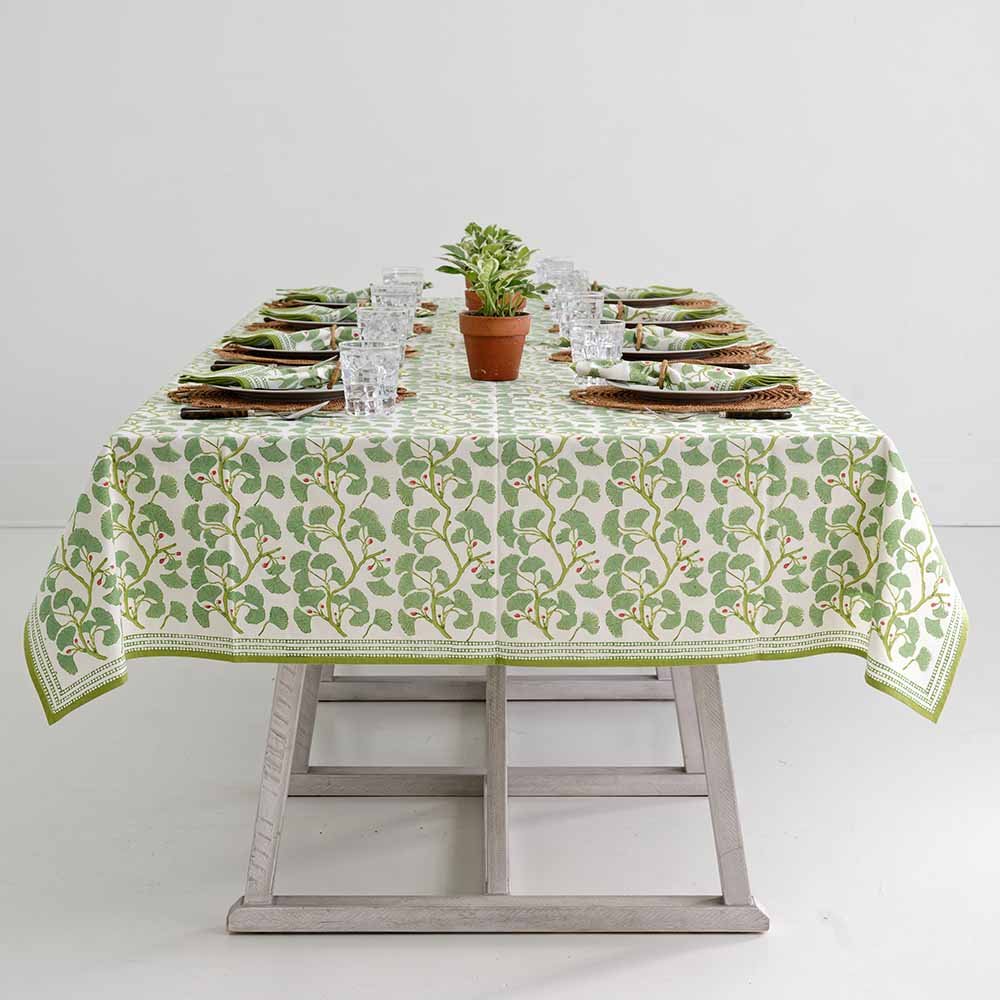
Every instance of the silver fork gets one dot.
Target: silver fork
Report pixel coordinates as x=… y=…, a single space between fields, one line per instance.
x=672 y=416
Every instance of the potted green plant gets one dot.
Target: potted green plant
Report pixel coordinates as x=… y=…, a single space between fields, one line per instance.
x=476 y=239
x=503 y=281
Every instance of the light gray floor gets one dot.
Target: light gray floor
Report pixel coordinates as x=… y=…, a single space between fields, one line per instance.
x=872 y=834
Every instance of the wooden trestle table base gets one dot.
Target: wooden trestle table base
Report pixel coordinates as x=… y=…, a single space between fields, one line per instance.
x=706 y=772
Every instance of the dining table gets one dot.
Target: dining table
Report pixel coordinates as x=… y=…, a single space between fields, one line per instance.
x=493 y=525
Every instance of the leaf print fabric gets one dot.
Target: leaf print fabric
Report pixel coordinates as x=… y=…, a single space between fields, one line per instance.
x=498 y=523
x=325 y=294
x=662 y=339
x=680 y=375
x=311 y=314
x=266 y=376
x=299 y=340
x=643 y=292
x=661 y=314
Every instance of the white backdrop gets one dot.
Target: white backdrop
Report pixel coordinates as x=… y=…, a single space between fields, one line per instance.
x=828 y=167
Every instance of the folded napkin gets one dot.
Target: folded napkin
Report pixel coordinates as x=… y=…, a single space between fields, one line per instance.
x=655 y=338
x=681 y=375
x=661 y=314
x=297 y=340
x=641 y=292
x=325 y=294
x=267 y=376
x=311 y=314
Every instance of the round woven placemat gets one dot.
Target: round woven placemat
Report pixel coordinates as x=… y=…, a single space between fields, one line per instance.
x=209 y=396
x=738 y=354
x=778 y=397
x=694 y=303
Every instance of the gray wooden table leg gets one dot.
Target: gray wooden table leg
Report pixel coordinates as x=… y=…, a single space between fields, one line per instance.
x=687 y=720
x=497 y=910
x=307 y=720
x=495 y=791
x=289 y=687
x=721 y=787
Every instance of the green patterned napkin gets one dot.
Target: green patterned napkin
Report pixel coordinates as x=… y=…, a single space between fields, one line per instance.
x=660 y=339
x=298 y=340
x=681 y=375
x=662 y=314
x=641 y=292
x=267 y=376
x=325 y=294
x=312 y=314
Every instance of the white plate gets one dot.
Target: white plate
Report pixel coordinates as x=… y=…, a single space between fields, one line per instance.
x=651 y=303
x=688 y=395
x=654 y=355
x=283 y=395
x=305 y=324
x=676 y=324
x=278 y=353
x=330 y=305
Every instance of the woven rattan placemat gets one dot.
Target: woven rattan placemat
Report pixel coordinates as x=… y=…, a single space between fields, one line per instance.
x=738 y=354
x=209 y=396
x=778 y=397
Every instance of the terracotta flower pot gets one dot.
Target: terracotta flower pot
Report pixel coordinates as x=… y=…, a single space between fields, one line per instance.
x=474 y=303
x=493 y=345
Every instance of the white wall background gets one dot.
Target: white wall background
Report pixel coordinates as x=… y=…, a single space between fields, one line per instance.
x=829 y=167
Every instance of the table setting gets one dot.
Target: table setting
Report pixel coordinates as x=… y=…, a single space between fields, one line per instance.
x=361 y=474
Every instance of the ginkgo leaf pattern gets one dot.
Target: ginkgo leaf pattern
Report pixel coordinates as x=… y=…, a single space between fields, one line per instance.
x=498 y=523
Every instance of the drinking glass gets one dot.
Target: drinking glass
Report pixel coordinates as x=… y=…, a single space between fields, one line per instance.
x=582 y=305
x=406 y=274
x=566 y=286
x=370 y=371
x=553 y=272
x=384 y=323
x=549 y=268
x=396 y=293
x=546 y=268
x=592 y=340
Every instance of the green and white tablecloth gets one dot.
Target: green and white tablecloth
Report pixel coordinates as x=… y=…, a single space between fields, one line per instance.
x=498 y=523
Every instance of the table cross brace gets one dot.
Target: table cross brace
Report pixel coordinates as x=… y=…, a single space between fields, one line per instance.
x=707 y=772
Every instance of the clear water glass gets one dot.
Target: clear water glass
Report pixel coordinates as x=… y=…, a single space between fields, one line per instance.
x=384 y=323
x=566 y=286
x=592 y=340
x=555 y=270
x=396 y=294
x=582 y=305
x=546 y=268
x=370 y=371
x=406 y=274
